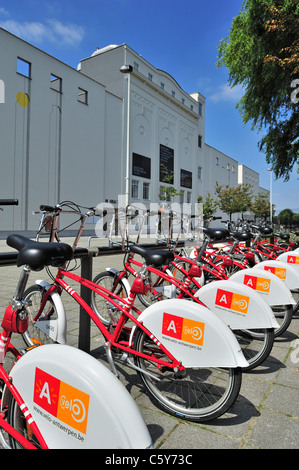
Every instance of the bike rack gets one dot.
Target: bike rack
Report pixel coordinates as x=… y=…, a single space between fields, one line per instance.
x=86 y=255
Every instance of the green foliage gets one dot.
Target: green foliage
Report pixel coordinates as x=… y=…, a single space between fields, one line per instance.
x=261 y=53
x=231 y=200
x=260 y=206
x=209 y=206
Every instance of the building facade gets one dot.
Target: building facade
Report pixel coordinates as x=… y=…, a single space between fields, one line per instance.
x=116 y=129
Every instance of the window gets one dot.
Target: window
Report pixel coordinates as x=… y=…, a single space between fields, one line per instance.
x=56 y=83
x=182 y=197
x=82 y=96
x=199 y=141
x=217 y=161
x=150 y=77
x=189 y=197
x=199 y=172
x=200 y=109
x=183 y=100
x=146 y=194
x=162 y=85
x=173 y=93
x=135 y=189
x=23 y=67
x=136 y=66
x=191 y=107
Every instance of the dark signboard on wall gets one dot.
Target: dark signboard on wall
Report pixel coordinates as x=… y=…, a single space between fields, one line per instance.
x=186 y=179
x=166 y=163
x=141 y=166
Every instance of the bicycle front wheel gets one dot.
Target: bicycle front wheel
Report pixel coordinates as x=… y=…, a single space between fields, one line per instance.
x=106 y=311
x=34 y=335
x=195 y=394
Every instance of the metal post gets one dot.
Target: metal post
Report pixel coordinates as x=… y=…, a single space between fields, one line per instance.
x=84 y=322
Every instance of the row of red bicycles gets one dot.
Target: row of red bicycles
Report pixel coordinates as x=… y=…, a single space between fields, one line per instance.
x=189 y=320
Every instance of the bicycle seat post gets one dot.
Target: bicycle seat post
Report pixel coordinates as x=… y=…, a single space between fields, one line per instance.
x=23 y=279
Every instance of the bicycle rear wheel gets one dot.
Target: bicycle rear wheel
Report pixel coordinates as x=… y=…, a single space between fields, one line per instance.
x=256 y=345
x=18 y=421
x=283 y=315
x=196 y=394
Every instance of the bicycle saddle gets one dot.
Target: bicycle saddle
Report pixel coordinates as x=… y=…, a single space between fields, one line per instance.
x=216 y=233
x=153 y=257
x=241 y=236
x=39 y=254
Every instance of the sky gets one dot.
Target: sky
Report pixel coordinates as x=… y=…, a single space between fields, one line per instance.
x=180 y=37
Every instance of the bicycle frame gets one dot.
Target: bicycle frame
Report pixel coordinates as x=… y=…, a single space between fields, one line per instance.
x=124 y=305
x=5 y=347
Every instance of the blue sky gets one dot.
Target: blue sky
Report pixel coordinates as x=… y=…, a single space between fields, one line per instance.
x=178 y=37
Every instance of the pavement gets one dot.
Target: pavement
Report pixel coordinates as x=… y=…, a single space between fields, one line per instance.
x=265 y=415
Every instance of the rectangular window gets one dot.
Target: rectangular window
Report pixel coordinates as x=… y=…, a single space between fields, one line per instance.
x=199 y=142
x=199 y=172
x=200 y=109
x=189 y=197
x=217 y=161
x=56 y=83
x=173 y=93
x=150 y=77
x=23 y=67
x=146 y=194
x=136 y=66
x=162 y=85
x=82 y=96
x=135 y=189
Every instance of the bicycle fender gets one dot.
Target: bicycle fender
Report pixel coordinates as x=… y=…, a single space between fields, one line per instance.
x=54 y=328
x=77 y=402
x=285 y=271
x=291 y=258
x=124 y=280
x=193 y=334
x=239 y=306
x=270 y=287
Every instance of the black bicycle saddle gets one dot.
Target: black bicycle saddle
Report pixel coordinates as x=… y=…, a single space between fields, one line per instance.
x=153 y=257
x=37 y=255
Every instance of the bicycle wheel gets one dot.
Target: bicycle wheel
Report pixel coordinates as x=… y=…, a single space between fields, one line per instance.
x=196 y=394
x=256 y=345
x=283 y=315
x=155 y=294
x=18 y=421
x=105 y=310
x=34 y=335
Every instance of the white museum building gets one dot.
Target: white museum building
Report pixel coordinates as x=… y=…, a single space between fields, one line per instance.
x=115 y=126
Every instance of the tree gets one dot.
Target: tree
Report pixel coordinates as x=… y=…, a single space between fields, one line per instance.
x=261 y=206
x=285 y=216
x=209 y=206
x=231 y=200
x=261 y=53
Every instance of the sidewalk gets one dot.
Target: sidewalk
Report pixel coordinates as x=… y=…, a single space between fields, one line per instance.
x=265 y=416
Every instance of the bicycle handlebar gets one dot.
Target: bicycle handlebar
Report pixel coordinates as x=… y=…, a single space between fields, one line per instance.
x=9 y=202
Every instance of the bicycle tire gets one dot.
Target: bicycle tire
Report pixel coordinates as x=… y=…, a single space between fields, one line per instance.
x=196 y=394
x=151 y=297
x=256 y=345
x=106 y=311
x=283 y=315
x=18 y=421
x=34 y=335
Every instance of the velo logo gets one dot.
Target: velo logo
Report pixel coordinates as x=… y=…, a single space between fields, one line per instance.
x=61 y=400
x=293 y=259
x=279 y=272
x=232 y=301
x=257 y=283
x=190 y=331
